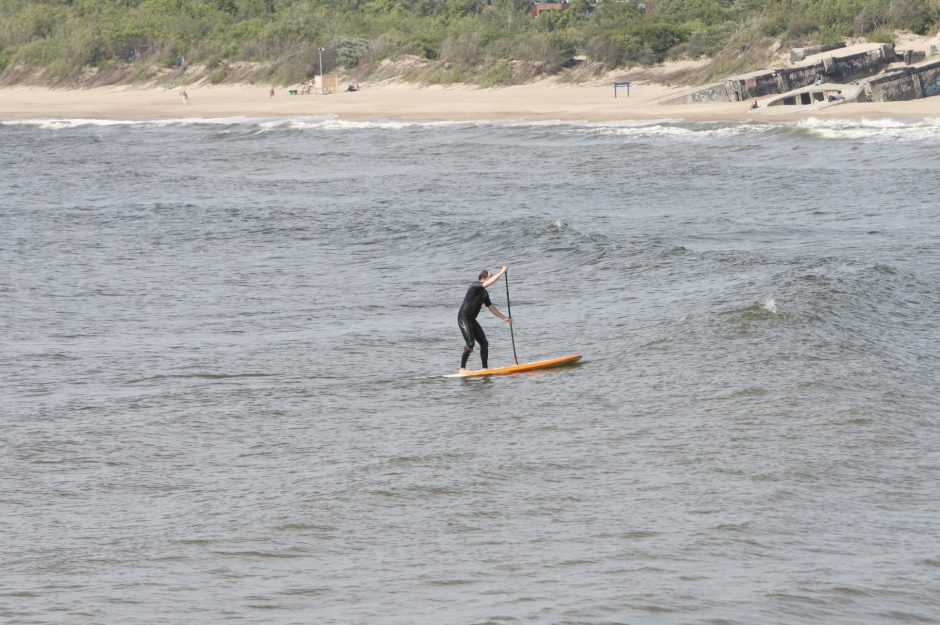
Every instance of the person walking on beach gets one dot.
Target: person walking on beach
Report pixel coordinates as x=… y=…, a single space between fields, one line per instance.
x=184 y=96
x=475 y=298
x=271 y=93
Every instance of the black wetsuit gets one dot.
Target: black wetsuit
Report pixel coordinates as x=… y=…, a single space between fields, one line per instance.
x=467 y=320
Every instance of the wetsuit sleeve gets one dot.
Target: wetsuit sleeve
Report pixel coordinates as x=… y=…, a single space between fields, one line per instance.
x=486 y=298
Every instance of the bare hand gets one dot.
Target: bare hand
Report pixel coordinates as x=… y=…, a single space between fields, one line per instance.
x=508 y=319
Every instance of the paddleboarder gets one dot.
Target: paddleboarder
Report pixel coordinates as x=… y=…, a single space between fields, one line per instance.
x=475 y=298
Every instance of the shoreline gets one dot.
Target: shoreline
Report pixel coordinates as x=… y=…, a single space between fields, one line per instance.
x=541 y=101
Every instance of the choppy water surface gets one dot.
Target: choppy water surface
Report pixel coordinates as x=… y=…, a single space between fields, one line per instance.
x=223 y=345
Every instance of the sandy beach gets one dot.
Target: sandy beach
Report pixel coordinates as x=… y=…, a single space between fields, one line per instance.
x=545 y=100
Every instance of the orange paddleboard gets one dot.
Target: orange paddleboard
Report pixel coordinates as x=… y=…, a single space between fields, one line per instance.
x=526 y=366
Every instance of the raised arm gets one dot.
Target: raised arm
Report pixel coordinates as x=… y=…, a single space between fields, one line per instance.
x=492 y=279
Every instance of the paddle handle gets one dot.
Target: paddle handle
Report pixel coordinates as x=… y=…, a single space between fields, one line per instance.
x=509 y=310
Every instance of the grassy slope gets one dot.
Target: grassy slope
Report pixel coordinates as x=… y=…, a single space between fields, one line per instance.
x=95 y=42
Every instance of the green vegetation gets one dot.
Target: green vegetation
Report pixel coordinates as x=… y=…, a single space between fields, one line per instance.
x=484 y=41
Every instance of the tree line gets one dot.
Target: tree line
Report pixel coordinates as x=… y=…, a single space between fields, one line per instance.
x=481 y=41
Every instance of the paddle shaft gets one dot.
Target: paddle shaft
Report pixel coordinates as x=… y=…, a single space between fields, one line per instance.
x=509 y=310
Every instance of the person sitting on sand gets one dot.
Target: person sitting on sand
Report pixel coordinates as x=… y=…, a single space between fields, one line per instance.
x=755 y=105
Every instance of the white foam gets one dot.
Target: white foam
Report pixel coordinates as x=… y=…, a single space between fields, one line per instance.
x=683 y=129
x=77 y=122
x=874 y=129
x=858 y=129
x=57 y=124
x=326 y=122
x=662 y=128
x=334 y=123
x=770 y=305
x=340 y=124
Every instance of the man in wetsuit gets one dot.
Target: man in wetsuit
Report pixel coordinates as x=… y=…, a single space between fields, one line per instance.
x=467 y=317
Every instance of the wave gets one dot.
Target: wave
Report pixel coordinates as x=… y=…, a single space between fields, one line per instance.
x=59 y=124
x=828 y=129
x=334 y=123
x=869 y=307
x=546 y=243
x=320 y=122
x=832 y=129
x=873 y=129
x=665 y=126
x=329 y=122
x=200 y=375
x=763 y=310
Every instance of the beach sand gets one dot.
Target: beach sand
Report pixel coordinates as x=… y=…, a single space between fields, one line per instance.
x=544 y=100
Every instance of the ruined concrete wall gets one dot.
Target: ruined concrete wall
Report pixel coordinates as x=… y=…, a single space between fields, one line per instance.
x=834 y=69
x=712 y=93
x=740 y=89
x=929 y=79
x=849 y=68
x=910 y=56
x=798 y=54
x=892 y=87
x=792 y=78
x=765 y=84
x=846 y=69
x=911 y=84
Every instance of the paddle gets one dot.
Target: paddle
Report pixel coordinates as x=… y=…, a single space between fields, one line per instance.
x=509 y=310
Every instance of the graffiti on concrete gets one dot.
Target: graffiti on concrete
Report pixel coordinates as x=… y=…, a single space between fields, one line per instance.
x=851 y=66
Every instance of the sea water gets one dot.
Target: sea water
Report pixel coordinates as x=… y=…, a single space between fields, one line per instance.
x=223 y=344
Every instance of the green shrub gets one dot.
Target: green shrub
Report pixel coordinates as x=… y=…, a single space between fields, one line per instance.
x=145 y=73
x=800 y=27
x=350 y=51
x=424 y=47
x=497 y=74
x=491 y=41
x=561 y=20
x=464 y=49
x=442 y=74
x=919 y=16
x=773 y=26
x=568 y=42
x=57 y=71
x=658 y=37
x=622 y=49
x=867 y=20
x=832 y=32
x=704 y=42
x=881 y=35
